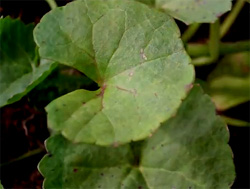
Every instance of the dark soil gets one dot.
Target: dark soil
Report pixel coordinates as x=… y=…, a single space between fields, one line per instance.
x=24 y=127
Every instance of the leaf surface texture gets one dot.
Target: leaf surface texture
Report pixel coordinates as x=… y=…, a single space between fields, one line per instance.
x=135 y=55
x=188 y=151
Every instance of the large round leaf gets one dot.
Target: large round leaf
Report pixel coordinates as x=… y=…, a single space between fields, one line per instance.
x=188 y=151
x=19 y=72
x=132 y=52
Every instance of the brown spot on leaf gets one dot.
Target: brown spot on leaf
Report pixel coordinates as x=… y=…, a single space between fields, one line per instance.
x=188 y=87
x=131 y=74
x=102 y=90
x=133 y=91
x=116 y=144
x=143 y=55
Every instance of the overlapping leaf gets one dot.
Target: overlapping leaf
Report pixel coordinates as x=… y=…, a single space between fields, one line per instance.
x=19 y=72
x=192 y=11
x=135 y=55
x=229 y=83
x=195 y=11
x=188 y=151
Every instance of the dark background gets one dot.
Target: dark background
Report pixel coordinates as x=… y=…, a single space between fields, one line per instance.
x=29 y=112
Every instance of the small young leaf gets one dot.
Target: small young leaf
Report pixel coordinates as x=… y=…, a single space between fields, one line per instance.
x=18 y=70
x=135 y=55
x=188 y=151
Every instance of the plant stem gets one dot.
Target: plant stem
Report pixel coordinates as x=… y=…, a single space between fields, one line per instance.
x=200 y=61
x=214 y=40
x=24 y=156
x=197 y=50
x=189 y=33
x=231 y=17
x=213 y=46
x=235 y=122
x=52 y=4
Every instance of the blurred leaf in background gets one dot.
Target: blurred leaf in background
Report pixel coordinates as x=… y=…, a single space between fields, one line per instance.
x=61 y=81
x=229 y=83
x=20 y=68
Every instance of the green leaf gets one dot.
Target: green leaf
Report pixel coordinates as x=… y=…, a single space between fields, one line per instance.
x=229 y=83
x=192 y=11
x=135 y=55
x=19 y=72
x=1 y=186
x=195 y=11
x=188 y=151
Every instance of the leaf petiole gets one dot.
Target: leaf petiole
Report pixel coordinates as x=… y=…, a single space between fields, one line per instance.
x=24 y=156
x=197 y=49
x=52 y=4
x=213 y=46
x=190 y=32
x=231 y=18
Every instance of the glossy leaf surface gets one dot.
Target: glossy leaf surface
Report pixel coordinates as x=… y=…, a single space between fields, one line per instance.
x=19 y=69
x=135 y=55
x=188 y=151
